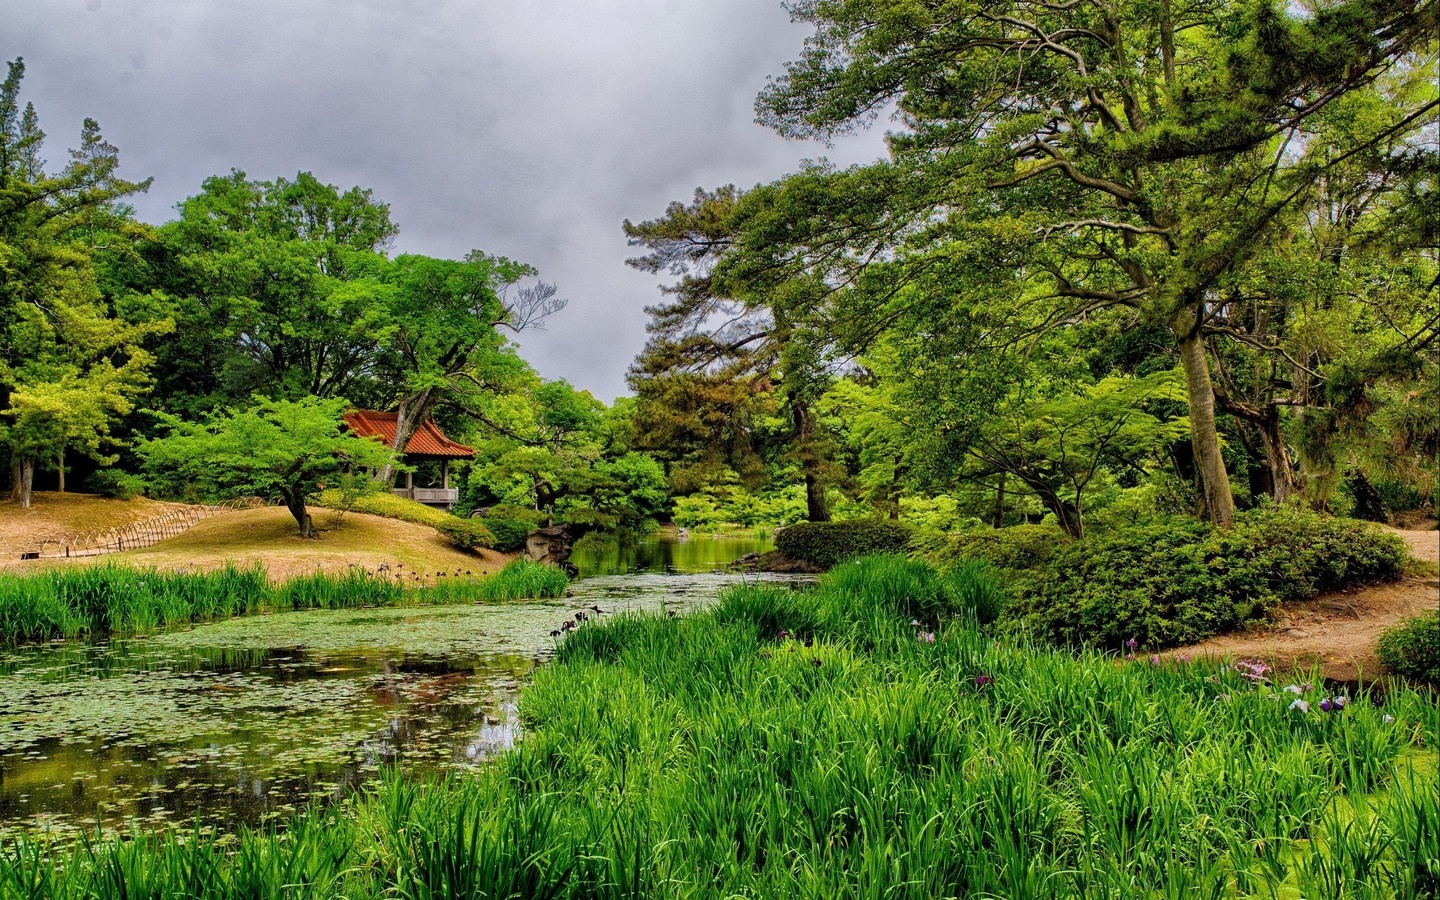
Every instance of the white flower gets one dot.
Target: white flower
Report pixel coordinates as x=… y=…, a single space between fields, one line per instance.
x=1300 y=705
x=1388 y=719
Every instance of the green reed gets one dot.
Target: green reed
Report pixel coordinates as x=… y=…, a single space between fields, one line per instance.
x=817 y=744
x=523 y=580
x=114 y=600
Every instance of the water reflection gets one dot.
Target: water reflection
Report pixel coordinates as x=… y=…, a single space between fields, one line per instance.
x=253 y=718
x=664 y=552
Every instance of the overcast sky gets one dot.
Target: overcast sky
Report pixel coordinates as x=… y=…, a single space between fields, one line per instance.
x=527 y=128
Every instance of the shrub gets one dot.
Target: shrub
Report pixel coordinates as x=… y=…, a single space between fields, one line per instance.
x=523 y=580
x=509 y=534
x=116 y=484
x=1178 y=580
x=1412 y=649
x=1019 y=548
x=829 y=543
x=466 y=534
x=387 y=505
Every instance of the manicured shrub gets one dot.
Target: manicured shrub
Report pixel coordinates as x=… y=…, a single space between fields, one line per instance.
x=466 y=534
x=1177 y=581
x=829 y=543
x=1018 y=548
x=510 y=534
x=116 y=484
x=388 y=505
x=1412 y=650
x=523 y=579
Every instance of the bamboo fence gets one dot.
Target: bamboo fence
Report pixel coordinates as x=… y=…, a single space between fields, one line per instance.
x=144 y=533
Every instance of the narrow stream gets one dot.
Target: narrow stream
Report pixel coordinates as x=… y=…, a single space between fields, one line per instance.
x=249 y=719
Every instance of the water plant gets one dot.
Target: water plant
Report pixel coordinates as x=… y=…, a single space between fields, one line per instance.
x=523 y=579
x=805 y=743
x=116 y=600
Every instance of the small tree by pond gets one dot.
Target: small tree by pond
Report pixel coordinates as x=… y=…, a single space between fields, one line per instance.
x=287 y=448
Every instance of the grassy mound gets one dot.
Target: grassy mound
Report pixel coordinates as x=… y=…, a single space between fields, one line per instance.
x=388 y=505
x=818 y=744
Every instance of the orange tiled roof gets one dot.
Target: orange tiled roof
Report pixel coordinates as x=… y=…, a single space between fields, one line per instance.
x=428 y=440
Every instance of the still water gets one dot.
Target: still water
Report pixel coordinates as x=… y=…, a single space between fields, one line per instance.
x=251 y=719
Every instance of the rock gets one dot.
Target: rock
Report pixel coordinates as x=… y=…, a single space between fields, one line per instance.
x=554 y=544
x=1296 y=633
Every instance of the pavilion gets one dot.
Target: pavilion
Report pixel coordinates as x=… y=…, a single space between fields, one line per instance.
x=428 y=444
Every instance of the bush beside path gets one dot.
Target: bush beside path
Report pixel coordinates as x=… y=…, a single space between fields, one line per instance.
x=1337 y=632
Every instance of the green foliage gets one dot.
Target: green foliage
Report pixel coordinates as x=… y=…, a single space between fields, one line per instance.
x=467 y=534
x=523 y=580
x=828 y=543
x=712 y=756
x=115 y=601
x=116 y=484
x=277 y=447
x=71 y=360
x=386 y=504
x=1180 y=581
x=509 y=534
x=736 y=506
x=1412 y=649
x=1012 y=550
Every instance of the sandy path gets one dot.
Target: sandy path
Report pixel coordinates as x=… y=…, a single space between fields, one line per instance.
x=1338 y=631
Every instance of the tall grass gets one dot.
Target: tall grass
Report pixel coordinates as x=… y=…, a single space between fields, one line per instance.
x=816 y=745
x=113 y=600
x=523 y=580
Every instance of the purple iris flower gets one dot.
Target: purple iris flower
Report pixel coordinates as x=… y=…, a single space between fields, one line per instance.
x=926 y=638
x=982 y=680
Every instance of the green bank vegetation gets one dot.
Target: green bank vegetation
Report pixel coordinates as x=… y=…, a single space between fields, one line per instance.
x=864 y=738
x=112 y=600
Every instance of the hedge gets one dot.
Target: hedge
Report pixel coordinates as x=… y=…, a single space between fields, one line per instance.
x=830 y=543
x=510 y=534
x=466 y=534
x=1412 y=649
x=1179 y=580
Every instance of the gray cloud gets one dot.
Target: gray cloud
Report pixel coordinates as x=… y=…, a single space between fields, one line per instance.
x=527 y=128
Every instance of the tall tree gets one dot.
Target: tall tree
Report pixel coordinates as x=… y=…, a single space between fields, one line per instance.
x=1144 y=151
x=714 y=362
x=446 y=317
x=68 y=365
x=277 y=288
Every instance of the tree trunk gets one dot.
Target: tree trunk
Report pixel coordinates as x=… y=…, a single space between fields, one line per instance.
x=1283 y=484
x=816 y=509
x=15 y=475
x=1218 y=501
x=27 y=481
x=999 y=518
x=413 y=411
x=295 y=502
x=1066 y=515
x=60 y=469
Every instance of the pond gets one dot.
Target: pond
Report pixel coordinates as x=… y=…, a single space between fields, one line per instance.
x=665 y=552
x=251 y=719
